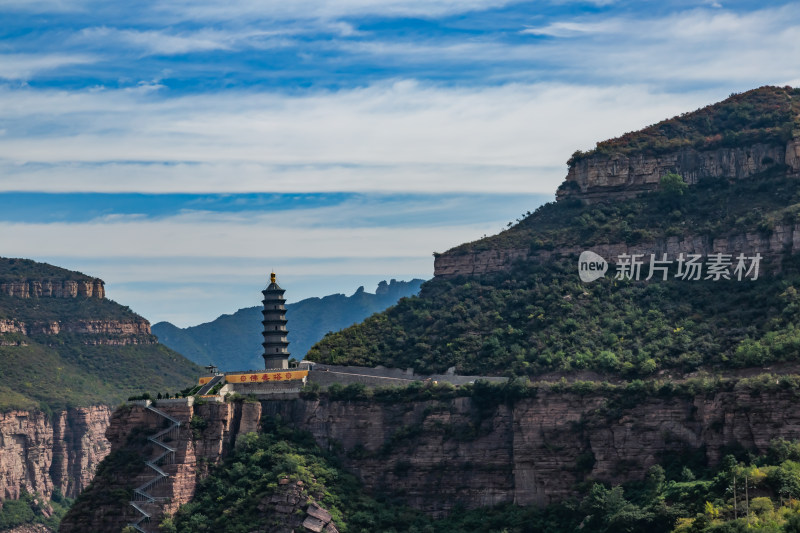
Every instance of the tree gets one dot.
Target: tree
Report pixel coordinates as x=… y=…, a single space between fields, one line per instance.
x=673 y=186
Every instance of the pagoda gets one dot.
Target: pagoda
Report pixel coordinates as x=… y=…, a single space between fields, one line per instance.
x=276 y=347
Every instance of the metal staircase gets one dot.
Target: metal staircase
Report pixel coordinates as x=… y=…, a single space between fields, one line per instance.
x=143 y=501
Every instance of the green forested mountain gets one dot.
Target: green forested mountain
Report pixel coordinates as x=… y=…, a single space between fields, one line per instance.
x=233 y=342
x=537 y=316
x=57 y=352
x=764 y=115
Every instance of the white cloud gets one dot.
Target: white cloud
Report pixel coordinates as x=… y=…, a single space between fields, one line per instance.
x=183 y=10
x=699 y=46
x=567 y=29
x=394 y=137
x=205 y=236
x=320 y=9
x=191 y=268
x=162 y=42
x=25 y=66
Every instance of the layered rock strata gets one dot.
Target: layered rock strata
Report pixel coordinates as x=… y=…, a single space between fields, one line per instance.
x=197 y=447
x=92 y=288
x=611 y=177
x=437 y=455
x=784 y=239
x=95 y=332
x=40 y=453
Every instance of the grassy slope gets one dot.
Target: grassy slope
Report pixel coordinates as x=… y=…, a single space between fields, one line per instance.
x=69 y=373
x=15 y=269
x=58 y=371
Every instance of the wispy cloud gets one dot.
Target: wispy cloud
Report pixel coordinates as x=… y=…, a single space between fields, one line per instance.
x=161 y=42
x=388 y=97
x=25 y=66
x=402 y=136
x=567 y=29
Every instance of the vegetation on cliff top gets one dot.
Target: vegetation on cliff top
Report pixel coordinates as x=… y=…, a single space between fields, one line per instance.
x=53 y=372
x=712 y=208
x=539 y=317
x=768 y=115
x=16 y=269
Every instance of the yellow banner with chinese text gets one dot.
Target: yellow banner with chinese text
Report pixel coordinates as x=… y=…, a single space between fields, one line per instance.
x=264 y=377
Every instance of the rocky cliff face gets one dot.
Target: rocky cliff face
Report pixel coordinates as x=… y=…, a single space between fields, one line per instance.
x=54 y=288
x=614 y=177
x=197 y=447
x=436 y=455
x=607 y=177
x=784 y=239
x=41 y=453
x=98 y=332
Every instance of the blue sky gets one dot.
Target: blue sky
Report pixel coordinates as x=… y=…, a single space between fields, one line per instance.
x=180 y=150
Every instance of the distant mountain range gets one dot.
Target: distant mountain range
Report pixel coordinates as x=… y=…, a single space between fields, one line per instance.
x=233 y=342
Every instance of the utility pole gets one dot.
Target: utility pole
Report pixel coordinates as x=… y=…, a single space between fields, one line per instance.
x=735 y=509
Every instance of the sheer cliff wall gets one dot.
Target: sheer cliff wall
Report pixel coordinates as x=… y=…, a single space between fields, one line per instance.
x=438 y=454
x=40 y=452
x=606 y=178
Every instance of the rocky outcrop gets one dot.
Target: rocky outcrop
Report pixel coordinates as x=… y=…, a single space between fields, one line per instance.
x=206 y=436
x=12 y=326
x=30 y=528
x=293 y=507
x=40 y=452
x=610 y=177
x=439 y=454
x=97 y=332
x=783 y=240
x=436 y=455
x=91 y=288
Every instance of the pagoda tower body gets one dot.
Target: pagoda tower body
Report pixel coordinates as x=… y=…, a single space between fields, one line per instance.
x=276 y=347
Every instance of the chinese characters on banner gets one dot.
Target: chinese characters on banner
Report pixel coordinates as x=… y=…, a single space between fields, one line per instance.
x=262 y=377
x=689 y=267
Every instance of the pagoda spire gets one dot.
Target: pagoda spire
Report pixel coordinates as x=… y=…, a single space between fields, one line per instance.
x=276 y=347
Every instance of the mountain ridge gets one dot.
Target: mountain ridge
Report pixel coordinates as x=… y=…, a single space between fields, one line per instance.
x=513 y=304
x=233 y=341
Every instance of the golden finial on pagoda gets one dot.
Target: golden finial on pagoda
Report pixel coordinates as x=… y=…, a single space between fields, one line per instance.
x=272 y=277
